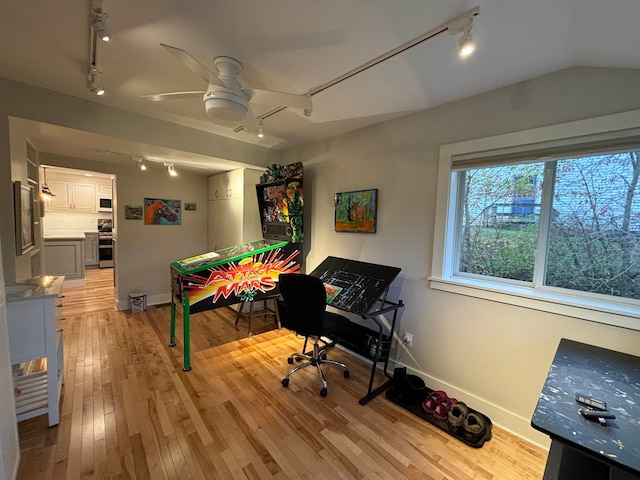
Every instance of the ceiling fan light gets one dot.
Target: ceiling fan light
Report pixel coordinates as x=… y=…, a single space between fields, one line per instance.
x=225 y=109
x=224 y=104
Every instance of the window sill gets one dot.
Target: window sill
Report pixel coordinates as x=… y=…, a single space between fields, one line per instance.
x=623 y=315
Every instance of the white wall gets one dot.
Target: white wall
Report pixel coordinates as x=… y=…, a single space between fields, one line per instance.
x=493 y=356
x=9 y=447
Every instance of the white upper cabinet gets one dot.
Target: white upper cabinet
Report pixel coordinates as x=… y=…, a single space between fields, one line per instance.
x=233 y=216
x=72 y=195
x=226 y=185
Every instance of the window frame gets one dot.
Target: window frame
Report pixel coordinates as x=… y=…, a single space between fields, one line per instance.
x=559 y=138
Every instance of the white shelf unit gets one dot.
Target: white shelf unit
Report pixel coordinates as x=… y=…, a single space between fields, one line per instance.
x=34 y=340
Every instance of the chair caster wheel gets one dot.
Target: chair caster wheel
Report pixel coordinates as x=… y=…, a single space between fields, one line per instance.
x=290 y=361
x=346 y=374
x=285 y=382
x=323 y=392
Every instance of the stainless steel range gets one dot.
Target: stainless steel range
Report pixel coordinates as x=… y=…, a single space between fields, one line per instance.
x=105 y=249
x=105 y=243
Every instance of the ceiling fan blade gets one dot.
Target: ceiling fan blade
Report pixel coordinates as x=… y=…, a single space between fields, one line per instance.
x=193 y=64
x=281 y=99
x=159 y=97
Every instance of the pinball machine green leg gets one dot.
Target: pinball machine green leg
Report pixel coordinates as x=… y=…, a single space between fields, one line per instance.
x=187 y=333
x=172 y=335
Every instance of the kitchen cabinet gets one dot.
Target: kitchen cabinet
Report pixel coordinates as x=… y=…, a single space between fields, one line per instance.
x=72 y=195
x=32 y=314
x=91 y=258
x=104 y=189
x=233 y=214
x=228 y=184
x=64 y=255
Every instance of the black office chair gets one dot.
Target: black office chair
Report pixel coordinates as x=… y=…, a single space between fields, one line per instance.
x=303 y=310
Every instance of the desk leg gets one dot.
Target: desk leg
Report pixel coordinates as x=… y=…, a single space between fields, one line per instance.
x=372 y=394
x=187 y=332
x=172 y=335
x=568 y=463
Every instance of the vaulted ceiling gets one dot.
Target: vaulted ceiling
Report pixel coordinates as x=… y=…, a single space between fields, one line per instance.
x=297 y=46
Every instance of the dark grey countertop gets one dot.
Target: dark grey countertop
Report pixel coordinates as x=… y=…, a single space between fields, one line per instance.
x=607 y=375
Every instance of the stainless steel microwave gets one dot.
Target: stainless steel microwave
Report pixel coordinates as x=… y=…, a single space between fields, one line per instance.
x=104 y=204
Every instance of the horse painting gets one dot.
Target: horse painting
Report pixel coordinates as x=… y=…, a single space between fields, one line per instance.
x=161 y=212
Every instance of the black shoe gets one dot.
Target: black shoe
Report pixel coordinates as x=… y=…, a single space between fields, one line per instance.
x=408 y=388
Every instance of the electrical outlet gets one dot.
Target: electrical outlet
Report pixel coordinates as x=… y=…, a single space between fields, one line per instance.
x=408 y=339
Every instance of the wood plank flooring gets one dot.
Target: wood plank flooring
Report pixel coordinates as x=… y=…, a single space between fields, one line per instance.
x=129 y=411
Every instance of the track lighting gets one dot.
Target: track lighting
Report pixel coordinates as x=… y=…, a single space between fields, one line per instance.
x=97 y=89
x=260 y=130
x=99 y=24
x=170 y=169
x=94 y=86
x=45 y=192
x=465 y=44
x=141 y=165
x=463 y=25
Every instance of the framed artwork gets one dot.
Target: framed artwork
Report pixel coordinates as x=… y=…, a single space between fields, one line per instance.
x=356 y=211
x=190 y=206
x=158 y=211
x=23 y=204
x=133 y=212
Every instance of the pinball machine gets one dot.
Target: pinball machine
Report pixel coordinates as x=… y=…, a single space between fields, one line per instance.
x=248 y=271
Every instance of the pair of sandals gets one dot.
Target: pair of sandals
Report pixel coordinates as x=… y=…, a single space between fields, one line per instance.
x=438 y=404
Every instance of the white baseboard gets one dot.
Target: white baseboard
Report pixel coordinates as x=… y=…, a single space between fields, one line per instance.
x=500 y=416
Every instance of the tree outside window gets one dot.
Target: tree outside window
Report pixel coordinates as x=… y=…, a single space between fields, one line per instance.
x=592 y=223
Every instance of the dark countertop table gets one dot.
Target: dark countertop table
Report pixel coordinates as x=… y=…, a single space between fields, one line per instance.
x=607 y=375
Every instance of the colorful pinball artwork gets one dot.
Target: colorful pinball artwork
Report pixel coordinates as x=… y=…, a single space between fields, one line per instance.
x=242 y=273
x=245 y=272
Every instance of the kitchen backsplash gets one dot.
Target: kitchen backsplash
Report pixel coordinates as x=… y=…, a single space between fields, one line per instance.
x=81 y=222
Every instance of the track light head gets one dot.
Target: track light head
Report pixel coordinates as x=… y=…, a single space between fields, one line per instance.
x=97 y=89
x=99 y=23
x=466 y=46
x=141 y=165
x=463 y=25
x=260 y=130
x=94 y=86
x=171 y=170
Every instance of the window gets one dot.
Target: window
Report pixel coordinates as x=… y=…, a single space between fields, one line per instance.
x=552 y=224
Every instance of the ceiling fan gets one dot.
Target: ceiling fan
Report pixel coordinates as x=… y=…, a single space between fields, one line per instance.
x=225 y=98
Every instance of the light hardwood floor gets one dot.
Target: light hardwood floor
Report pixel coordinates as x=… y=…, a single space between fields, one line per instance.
x=129 y=411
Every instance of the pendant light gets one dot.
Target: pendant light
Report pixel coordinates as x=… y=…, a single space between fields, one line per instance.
x=46 y=193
